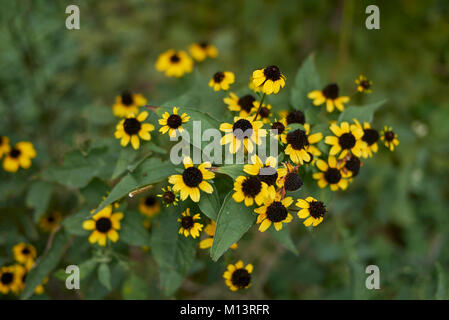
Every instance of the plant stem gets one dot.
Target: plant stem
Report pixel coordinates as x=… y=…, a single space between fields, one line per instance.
x=260 y=106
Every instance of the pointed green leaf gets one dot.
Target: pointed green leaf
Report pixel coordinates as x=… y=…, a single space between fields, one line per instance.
x=307 y=79
x=233 y=170
x=362 y=113
x=283 y=236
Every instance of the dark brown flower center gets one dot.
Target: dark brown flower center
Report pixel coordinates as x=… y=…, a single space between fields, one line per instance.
x=353 y=165
x=241 y=278
x=297 y=139
x=293 y=182
x=251 y=186
x=103 y=225
x=218 y=77
x=276 y=212
x=346 y=141
x=370 y=136
x=7 y=278
x=365 y=84
x=242 y=129
x=132 y=126
x=332 y=175
x=278 y=126
x=168 y=197
x=296 y=117
x=150 y=201
x=203 y=44
x=175 y=58
x=389 y=135
x=192 y=177
x=26 y=251
x=127 y=98
x=15 y=153
x=268 y=175
x=272 y=73
x=331 y=91
x=247 y=102
x=187 y=222
x=317 y=209
x=174 y=121
x=264 y=112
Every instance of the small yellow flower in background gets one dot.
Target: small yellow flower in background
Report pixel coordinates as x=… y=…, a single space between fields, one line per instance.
x=274 y=212
x=267 y=172
x=22 y=275
x=210 y=231
x=330 y=96
x=222 y=80
x=244 y=105
x=149 y=206
x=202 y=50
x=269 y=80
x=131 y=128
x=104 y=225
x=174 y=63
x=363 y=84
x=244 y=133
x=330 y=174
x=238 y=276
x=10 y=279
x=189 y=226
x=4 y=145
x=172 y=122
x=300 y=145
x=264 y=112
x=128 y=103
x=282 y=129
x=168 y=196
x=311 y=209
x=50 y=221
x=19 y=156
x=348 y=138
x=24 y=254
x=351 y=167
x=250 y=189
x=389 y=137
x=370 y=137
x=192 y=180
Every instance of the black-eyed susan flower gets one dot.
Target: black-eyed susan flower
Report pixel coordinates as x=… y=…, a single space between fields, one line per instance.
x=250 y=189
x=104 y=225
x=131 y=128
x=222 y=80
x=174 y=63
x=312 y=211
x=279 y=129
x=300 y=144
x=149 y=206
x=238 y=276
x=19 y=156
x=330 y=96
x=172 y=123
x=244 y=105
x=292 y=181
x=202 y=50
x=10 y=279
x=169 y=197
x=128 y=103
x=389 y=137
x=210 y=231
x=264 y=112
x=351 y=166
x=24 y=254
x=50 y=221
x=4 y=145
x=330 y=174
x=189 y=224
x=267 y=172
x=363 y=84
x=274 y=212
x=269 y=80
x=189 y=183
x=243 y=133
x=347 y=138
x=370 y=137
x=296 y=116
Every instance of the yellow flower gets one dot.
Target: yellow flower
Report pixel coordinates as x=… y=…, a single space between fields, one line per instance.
x=244 y=133
x=172 y=122
x=252 y=86
x=389 y=137
x=264 y=111
x=348 y=138
x=268 y=172
x=274 y=212
x=237 y=276
x=210 y=231
x=10 y=280
x=222 y=80
x=202 y=50
x=311 y=209
x=370 y=137
x=269 y=79
x=149 y=206
x=174 y=63
x=330 y=174
x=329 y=95
x=250 y=189
x=128 y=103
x=131 y=128
x=168 y=196
x=4 y=145
x=104 y=225
x=244 y=105
x=24 y=254
x=188 y=224
x=50 y=221
x=300 y=145
x=19 y=156
x=363 y=84
x=282 y=129
x=192 y=180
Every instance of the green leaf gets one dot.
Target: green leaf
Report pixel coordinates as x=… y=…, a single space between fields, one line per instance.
x=127 y=157
x=210 y=203
x=362 y=113
x=45 y=265
x=104 y=275
x=307 y=79
x=283 y=236
x=173 y=253
x=134 y=288
x=73 y=224
x=234 y=219
x=442 y=288
x=133 y=231
x=38 y=198
x=233 y=170
x=148 y=172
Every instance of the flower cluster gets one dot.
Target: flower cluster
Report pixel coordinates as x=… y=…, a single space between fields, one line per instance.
x=17 y=156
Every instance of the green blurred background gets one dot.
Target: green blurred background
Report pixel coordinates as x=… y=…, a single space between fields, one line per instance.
x=57 y=87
